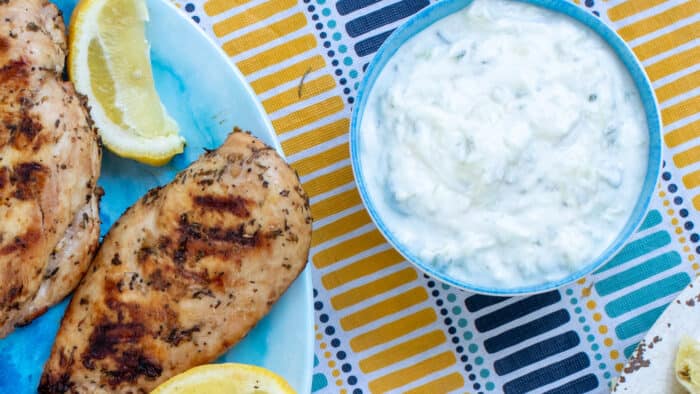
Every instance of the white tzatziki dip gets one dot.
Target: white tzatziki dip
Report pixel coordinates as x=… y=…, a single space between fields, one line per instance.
x=505 y=145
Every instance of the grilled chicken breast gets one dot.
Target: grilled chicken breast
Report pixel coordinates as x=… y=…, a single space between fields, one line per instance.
x=32 y=31
x=185 y=273
x=49 y=165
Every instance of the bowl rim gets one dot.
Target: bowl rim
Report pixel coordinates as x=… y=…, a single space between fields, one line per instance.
x=437 y=11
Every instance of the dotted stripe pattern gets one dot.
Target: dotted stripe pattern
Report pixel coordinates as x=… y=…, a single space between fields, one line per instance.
x=382 y=326
x=623 y=302
x=666 y=38
x=531 y=344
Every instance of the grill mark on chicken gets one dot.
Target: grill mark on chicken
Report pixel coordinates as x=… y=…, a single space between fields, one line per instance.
x=130 y=366
x=143 y=254
x=24 y=128
x=4 y=45
x=28 y=180
x=11 y=296
x=56 y=384
x=151 y=195
x=119 y=342
x=14 y=75
x=195 y=231
x=204 y=241
x=107 y=336
x=23 y=134
x=158 y=281
x=4 y=179
x=178 y=335
x=23 y=241
x=236 y=236
x=235 y=204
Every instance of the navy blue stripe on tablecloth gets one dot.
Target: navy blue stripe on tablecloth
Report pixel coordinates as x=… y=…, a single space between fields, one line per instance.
x=345 y=7
x=516 y=310
x=478 y=302
x=384 y=16
x=548 y=374
x=526 y=331
x=370 y=45
x=536 y=352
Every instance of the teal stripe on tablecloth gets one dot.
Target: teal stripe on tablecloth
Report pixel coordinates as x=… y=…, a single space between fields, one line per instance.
x=639 y=324
x=653 y=218
x=648 y=294
x=638 y=273
x=638 y=248
x=630 y=349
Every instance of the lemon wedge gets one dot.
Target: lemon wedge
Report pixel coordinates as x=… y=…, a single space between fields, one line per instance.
x=687 y=364
x=226 y=379
x=109 y=62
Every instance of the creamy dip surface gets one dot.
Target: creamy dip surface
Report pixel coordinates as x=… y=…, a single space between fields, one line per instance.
x=505 y=145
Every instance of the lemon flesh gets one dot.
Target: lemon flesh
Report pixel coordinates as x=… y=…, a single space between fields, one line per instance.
x=226 y=379
x=109 y=62
x=687 y=365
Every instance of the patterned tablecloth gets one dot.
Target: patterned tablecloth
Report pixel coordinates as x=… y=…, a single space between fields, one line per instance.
x=381 y=326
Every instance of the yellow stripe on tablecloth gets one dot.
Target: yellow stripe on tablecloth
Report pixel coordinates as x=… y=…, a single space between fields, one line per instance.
x=402 y=351
x=277 y=54
x=299 y=93
x=681 y=85
x=407 y=375
x=659 y=21
x=687 y=157
x=264 y=35
x=692 y=180
x=668 y=41
x=290 y=73
x=393 y=330
x=328 y=182
x=361 y=268
x=339 y=227
x=251 y=15
x=696 y=202
x=308 y=115
x=316 y=136
x=383 y=308
x=683 y=134
x=347 y=249
x=335 y=204
x=681 y=110
x=674 y=63
x=368 y=290
x=216 y=7
x=323 y=159
x=631 y=7
x=444 y=384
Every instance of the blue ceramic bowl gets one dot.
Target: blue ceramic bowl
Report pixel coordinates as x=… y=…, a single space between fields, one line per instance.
x=443 y=8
